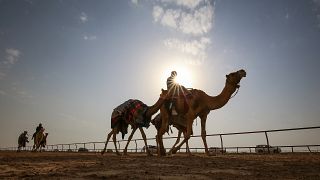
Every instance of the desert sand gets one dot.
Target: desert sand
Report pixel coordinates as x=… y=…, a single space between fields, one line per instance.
x=74 y=165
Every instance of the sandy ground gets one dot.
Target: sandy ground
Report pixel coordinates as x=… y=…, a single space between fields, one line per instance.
x=63 y=165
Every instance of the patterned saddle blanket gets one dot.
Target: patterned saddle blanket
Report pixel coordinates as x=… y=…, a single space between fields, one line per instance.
x=130 y=112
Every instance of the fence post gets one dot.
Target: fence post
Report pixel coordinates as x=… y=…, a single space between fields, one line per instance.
x=94 y=147
x=309 y=148
x=292 y=148
x=76 y=146
x=119 y=145
x=267 y=141
x=221 y=143
x=136 y=145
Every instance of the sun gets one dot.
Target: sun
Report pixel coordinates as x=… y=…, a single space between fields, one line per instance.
x=184 y=75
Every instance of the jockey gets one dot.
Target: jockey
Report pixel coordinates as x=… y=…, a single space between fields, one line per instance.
x=37 y=130
x=171 y=80
x=171 y=85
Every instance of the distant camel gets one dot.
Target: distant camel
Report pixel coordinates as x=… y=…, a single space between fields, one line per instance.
x=134 y=113
x=198 y=103
x=40 y=140
x=157 y=121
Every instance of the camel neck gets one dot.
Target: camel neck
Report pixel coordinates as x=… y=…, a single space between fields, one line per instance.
x=222 y=99
x=154 y=108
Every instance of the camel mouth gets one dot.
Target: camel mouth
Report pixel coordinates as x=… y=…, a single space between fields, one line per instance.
x=243 y=73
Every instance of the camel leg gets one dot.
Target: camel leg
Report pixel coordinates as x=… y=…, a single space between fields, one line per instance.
x=177 y=141
x=37 y=147
x=161 y=131
x=164 y=125
x=129 y=139
x=40 y=147
x=34 y=144
x=204 y=133
x=105 y=145
x=160 y=146
x=187 y=146
x=145 y=141
x=115 y=141
x=34 y=148
x=186 y=137
x=161 y=150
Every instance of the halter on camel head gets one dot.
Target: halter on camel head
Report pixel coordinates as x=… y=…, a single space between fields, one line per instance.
x=234 y=78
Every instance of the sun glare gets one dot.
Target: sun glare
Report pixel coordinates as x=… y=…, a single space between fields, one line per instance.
x=184 y=75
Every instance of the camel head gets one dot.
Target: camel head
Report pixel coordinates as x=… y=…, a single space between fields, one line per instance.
x=234 y=78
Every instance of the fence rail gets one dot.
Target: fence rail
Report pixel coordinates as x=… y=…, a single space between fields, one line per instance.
x=73 y=147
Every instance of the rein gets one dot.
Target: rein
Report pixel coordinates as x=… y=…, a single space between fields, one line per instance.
x=235 y=93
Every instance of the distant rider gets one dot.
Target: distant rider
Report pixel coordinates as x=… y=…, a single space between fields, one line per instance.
x=39 y=127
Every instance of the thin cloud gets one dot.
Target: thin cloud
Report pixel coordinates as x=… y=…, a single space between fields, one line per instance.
x=195 y=22
x=135 y=2
x=185 y=3
x=157 y=13
x=11 y=58
x=171 y=18
x=193 y=50
x=193 y=19
x=83 y=17
x=89 y=37
x=194 y=47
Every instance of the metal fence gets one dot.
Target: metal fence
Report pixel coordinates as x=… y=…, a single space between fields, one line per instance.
x=94 y=146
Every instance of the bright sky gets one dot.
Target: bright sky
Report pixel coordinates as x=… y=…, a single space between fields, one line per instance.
x=69 y=63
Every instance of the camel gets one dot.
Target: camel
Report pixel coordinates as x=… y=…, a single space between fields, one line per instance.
x=195 y=104
x=122 y=122
x=40 y=140
x=157 y=121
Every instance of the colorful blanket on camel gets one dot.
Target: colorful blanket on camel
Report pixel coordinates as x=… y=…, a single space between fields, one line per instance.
x=130 y=112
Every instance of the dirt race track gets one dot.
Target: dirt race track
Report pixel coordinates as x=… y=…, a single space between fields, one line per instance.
x=60 y=165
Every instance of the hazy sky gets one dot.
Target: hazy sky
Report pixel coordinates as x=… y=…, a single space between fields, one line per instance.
x=69 y=63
